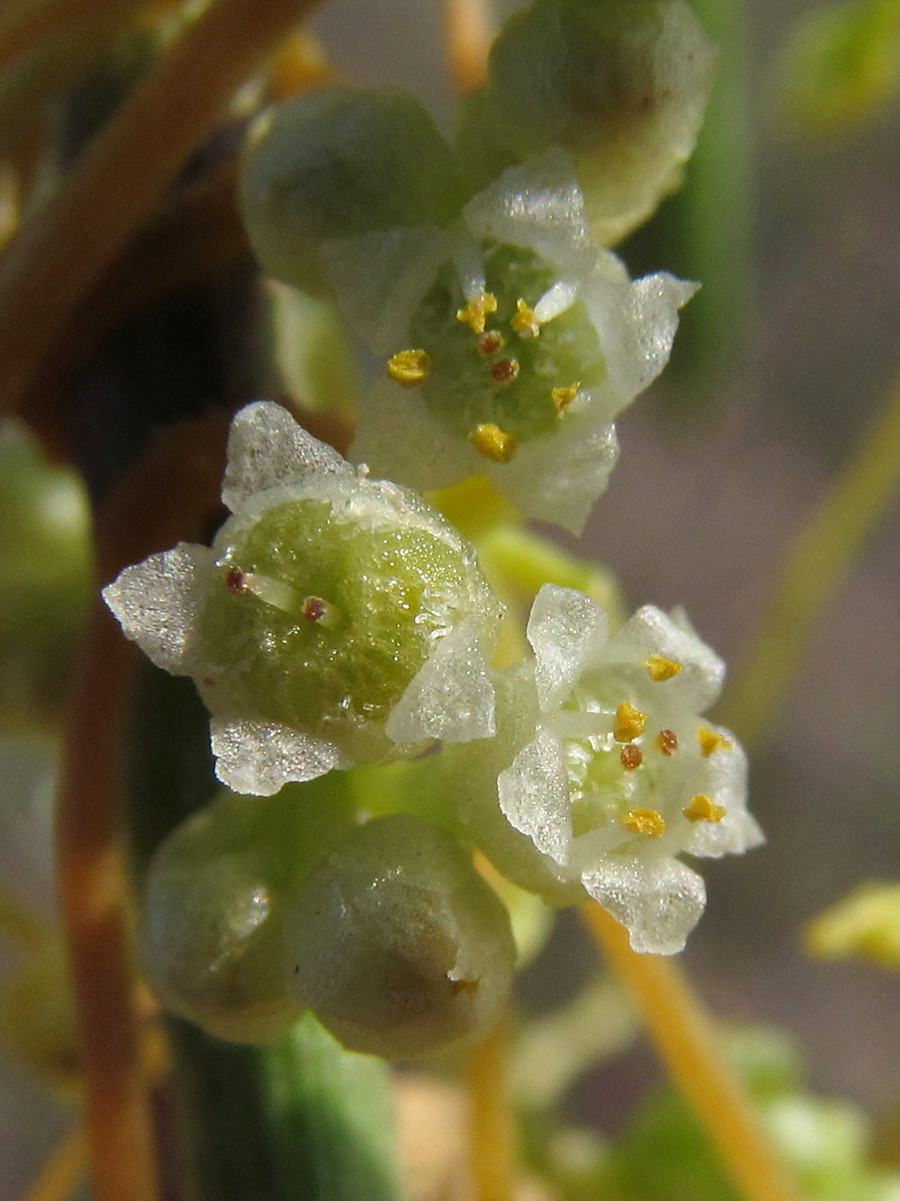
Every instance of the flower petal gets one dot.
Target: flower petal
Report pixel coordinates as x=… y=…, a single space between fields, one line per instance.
x=157 y=604
x=538 y=205
x=567 y=631
x=670 y=636
x=659 y=900
x=380 y=277
x=451 y=696
x=636 y=323
x=258 y=758
x=268 y=449
x=534 y=796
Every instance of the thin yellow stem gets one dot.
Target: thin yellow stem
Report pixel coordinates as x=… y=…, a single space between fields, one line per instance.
x=64 y=1171
x=686 y=1041
x=818 y=564
x=53 y=260
x=469 y=30
x=491 y=1131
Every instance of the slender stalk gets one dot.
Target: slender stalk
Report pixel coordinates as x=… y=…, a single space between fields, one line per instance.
x=491 y=1131
x=686 y=1040
x=94 y=910
x=64 y=1171
x=54 y=259
x=817 y=565
x=468 y=25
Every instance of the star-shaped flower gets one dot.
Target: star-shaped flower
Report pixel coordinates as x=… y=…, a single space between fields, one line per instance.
x=607 y=772
x=511 y=342
x=335 y=620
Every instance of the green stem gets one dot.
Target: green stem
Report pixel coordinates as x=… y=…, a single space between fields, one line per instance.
x=301 y=1121
x=818 y=564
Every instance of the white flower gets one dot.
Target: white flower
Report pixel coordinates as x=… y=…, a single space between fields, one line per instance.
x=512 y=342
x=336 y=619
x=609 y=771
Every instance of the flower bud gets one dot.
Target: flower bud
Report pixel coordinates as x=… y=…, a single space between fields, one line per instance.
x=337 y=163
x=211 y=934
x=397 y=944
x=620 y=86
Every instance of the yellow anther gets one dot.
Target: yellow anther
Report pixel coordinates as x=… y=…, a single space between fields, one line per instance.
x=711 y=741
x=629 y=722
x=409 y=367
x=491 y=441
x=562 y=397
x=524 y=320
x=701 y=809
x=476 y=311
x=661 y=669
x=645 y=821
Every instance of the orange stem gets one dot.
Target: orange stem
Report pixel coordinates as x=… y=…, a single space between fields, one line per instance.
x=491 y=1131
x=468 y=38
x=94 y=909
x=63 y=1172
x=687 y=1042
x=53 y=260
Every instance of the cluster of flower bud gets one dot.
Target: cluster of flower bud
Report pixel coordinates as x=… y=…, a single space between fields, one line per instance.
x=257 y=910
x=340 y=620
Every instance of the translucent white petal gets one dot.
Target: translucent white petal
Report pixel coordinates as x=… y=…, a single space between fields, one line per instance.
x=659 y=900
x=380 y=277
x=534 y=796
x=652 y=632
x=636 y=323
x=268 y=449
x=726 y=785
x=567 y=630
x=398 y=439
x=451 y=697
x=157 y=603
x=558 y=477
x=538 y=205
x=258 y=758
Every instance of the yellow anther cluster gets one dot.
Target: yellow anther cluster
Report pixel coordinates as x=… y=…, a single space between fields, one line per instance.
x=629 y=722
x=409 y=367
x=711 y=741
x=476 y=311
x=563 y=397
x=645 y=821
x=701 y=809
x=661 y=669
x=524 y=320
x=492 y=442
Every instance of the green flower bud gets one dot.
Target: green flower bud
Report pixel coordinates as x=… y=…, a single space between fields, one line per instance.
x=212 y=941
x=397 y=944
x=338 y=163
x=620 y=86
x=335 y=620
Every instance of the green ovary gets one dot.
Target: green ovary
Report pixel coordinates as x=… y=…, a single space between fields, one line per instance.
x=461 y=393
x=388 y=588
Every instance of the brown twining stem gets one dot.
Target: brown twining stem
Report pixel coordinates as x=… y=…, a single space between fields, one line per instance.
x=167 y=496
x=468 y=38
x=94 y=908
x=55 y=258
